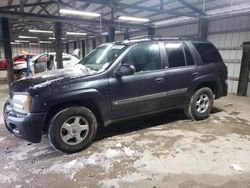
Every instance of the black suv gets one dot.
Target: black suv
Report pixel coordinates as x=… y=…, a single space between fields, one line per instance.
x=116 y=81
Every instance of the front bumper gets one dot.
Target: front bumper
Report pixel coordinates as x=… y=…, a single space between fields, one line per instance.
x=28 y=127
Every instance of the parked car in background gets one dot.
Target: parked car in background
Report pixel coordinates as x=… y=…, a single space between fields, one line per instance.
x=16 y=59
x=116 y=81
x=44 y=62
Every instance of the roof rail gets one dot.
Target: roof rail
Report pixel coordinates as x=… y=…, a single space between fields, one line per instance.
x=140 y=37
x=158 y=37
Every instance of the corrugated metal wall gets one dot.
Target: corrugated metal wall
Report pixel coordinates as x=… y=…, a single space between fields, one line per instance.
x=181 y=30
x=228 y=34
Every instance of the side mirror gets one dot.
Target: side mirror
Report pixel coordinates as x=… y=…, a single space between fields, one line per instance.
x=124 y=70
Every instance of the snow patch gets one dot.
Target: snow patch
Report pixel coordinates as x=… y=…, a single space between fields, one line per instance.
x=128 y=151
x=144 y=142
x=104 y=159
x=110 y=153
x=8 y=178
x=44 y=84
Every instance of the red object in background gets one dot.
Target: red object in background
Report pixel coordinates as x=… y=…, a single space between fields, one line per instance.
x=18 y=58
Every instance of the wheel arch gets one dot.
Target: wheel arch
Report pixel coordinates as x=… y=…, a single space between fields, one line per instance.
x=207 y=81
x=88 y=103
x=209 y=84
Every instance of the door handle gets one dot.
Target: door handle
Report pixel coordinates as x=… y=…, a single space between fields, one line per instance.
x=159 y=80
x=195 y=73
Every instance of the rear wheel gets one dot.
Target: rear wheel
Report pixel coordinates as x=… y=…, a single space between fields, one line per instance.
x=72 y=129
x=200 y=105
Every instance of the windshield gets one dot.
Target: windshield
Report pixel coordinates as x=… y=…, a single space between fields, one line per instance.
x=101 y=57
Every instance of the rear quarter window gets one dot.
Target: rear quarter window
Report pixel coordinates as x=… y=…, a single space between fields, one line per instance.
x=207 y=52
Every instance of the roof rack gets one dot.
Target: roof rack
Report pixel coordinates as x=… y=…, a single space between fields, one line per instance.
x=140 y=37
x=157 y=37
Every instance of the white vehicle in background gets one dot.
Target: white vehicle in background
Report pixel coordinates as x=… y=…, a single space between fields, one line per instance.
x=44 y=62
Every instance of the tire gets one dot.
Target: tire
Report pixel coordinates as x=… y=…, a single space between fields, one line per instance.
x=200 y=105
x=72 y=130
x=22 y=73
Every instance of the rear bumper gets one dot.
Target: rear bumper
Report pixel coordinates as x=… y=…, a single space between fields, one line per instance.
x=221 y=90
x=28 y=127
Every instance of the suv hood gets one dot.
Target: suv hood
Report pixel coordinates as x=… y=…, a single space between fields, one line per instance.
x=49 y=78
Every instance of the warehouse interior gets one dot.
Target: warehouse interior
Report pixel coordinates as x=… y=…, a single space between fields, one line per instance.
x=154 y=151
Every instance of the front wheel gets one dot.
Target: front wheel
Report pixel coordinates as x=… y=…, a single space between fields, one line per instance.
x=200 y=105
x=72 y=129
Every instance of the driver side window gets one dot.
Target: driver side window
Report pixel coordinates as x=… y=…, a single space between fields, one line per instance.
x=43 y=59
x=144 y=57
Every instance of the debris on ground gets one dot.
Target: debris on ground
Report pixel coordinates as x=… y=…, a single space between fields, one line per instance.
x=118 y=145
x=236 y=167
x=91 y=175
x=178 y=150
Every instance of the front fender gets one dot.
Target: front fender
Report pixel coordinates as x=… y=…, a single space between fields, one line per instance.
x=76 y=97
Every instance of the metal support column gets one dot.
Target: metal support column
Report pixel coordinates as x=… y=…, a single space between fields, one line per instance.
x=126 y=35
x=75 y=45
x=7 y=48
x=67 y=48
x=83 y=48
x=151 y=31
x=58 y=44
x=112 y=28
x=111 y=34
x=203 y=28
x=93 y=43
x=244 y=70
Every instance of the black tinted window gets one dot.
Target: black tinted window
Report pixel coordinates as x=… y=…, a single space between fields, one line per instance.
x=189 y=58
x=175 y=54
x=66 y=58
x=143 y=57
x=208 y=53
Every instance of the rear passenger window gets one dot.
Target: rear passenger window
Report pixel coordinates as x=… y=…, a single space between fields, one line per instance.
x=189 y=58
x=175 y=54
x=208 y=53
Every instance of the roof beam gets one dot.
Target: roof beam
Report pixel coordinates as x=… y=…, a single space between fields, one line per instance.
x=196 y=10
x=85 y=29
x=65 y=4
x=141 y=8
x=64 y=19
x=30 y=4
x=44 y=8
x=84 y=6
x=33 y=7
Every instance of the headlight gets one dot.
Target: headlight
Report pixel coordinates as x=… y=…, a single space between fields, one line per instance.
x=21 y=103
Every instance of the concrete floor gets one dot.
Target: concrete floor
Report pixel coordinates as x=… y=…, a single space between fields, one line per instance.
x=166 y=150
